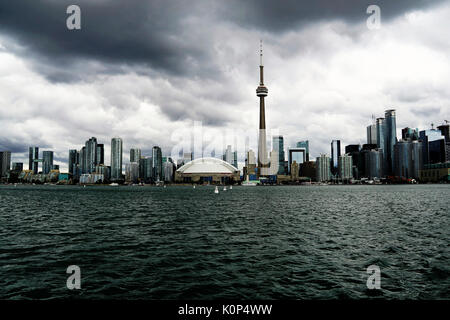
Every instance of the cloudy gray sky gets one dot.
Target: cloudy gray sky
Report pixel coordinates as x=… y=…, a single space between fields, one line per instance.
x=146 y=70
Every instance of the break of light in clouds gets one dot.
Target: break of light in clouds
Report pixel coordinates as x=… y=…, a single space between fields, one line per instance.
x=142 y=70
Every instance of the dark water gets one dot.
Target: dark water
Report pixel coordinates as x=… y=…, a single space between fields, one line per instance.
x=250 y=242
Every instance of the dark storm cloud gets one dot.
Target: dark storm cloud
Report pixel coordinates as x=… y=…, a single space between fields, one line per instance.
x=279 y=16
x=156 y=35
x=17 y=146
x=126 y=32
x=13 y=146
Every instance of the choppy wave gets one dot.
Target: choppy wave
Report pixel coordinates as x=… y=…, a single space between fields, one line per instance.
x=246 y=243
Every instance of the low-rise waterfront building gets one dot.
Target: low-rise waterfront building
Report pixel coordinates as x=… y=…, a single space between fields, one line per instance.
x=438 y=172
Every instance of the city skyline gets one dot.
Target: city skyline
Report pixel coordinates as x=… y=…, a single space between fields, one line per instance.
x=327 y=78
x=190 y=154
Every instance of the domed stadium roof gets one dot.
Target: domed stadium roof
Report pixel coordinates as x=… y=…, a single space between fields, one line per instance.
x=207 y=165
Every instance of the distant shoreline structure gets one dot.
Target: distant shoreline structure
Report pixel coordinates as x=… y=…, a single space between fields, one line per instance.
x=304 y=184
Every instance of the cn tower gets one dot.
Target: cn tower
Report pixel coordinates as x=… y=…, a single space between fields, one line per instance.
x=261 y=92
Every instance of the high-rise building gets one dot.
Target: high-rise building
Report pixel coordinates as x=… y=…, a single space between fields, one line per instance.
x=278 y=146
x=148 y=169
x=116 y=159
x=445 y=131
x=135 y=154
x=417 y=158
x=250 y=163
x=374 y=162
x=390 y=139
x=274 y=167
x=372 y=134
x=73 y=160
x=403 y=159
x=132 y=172
x=304 y=144
x=295 y=171
x=433 y=146
x=33 y=157
x=187 y=157
x=141 y=168
x=408 y=159
x=262 y=92
x=100 y=154
x=17 y=166
x=235 y=161
x=103 y=170
x=370 y=162
x=47 y=163
x=335 y=154
x=354 y=151
x=91 y=154
x=409 y=134
x=380 y=123
x=168 y=169
x=157 y=164
x=345 y=167
x=323 y=172
x=82 y=161
x=251 y=158
x=5 y=163
x=352 y=148
x=228 y=155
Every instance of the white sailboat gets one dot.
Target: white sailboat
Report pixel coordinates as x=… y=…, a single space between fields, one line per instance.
x=224 y=188
x=231 y=187
x=216 y=190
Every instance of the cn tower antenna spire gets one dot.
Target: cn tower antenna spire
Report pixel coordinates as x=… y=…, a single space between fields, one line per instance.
x=260 y=52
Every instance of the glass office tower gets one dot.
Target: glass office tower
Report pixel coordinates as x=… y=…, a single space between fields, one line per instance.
x=323 y=168
x=73 y=160
x=91 y=154
x=372 y=134
x=116 y=158
x=100 y=154
x=346 y=167
x=381 y=138
x=157 y=164
x=47 y=161
x=433 y=146
x=5 y=163
x=390 y=139
x=33 y=156
x=135 y=154
x=278 y=146
x=335 y=154
x=148 y=169
x=408 y=159
x=82 y=160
